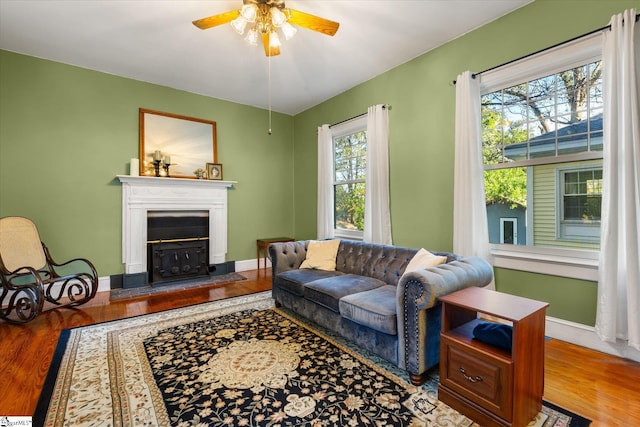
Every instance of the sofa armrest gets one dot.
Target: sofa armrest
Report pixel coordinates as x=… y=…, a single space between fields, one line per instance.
x=444 y=279
x=419 y=291
x=287 y=255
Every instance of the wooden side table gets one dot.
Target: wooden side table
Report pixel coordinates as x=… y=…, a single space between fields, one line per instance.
x=264 y=245
x=490 y=385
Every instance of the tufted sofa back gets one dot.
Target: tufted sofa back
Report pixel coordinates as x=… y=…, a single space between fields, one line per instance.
x=386 y=263
x=383 y=262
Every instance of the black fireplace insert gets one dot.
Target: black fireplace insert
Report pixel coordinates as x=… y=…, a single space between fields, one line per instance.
x=177 y=245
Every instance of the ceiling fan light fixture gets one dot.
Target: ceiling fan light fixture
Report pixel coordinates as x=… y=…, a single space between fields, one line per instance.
x=262 y=19
x=274 y=40
x=277 y=17
x=288 y=30
x=252 y=37
x=239 y=24
x=249 y=12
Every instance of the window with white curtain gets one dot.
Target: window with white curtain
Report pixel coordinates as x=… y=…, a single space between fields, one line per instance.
x=349 y=175
x=542 y=153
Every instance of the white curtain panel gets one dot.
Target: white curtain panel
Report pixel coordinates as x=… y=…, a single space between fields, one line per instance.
x=377 y=215
x=619 y=273
x=325 y=183
x=470 y=228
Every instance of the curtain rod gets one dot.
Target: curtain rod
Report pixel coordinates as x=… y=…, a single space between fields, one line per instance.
x=387 y=106
x=545 y=49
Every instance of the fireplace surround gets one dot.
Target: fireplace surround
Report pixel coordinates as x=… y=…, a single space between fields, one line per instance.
x=141 y=195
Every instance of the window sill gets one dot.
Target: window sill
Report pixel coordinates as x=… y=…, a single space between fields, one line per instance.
x=348 y=234
x=556 y=262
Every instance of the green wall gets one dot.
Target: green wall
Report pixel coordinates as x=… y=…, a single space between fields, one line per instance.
x=422 y=136
x=66 y=132
x=569 y=299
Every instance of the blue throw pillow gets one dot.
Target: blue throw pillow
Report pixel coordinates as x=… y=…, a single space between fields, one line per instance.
x=496 y=334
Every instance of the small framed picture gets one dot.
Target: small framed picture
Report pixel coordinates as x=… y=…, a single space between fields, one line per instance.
x=214 y=171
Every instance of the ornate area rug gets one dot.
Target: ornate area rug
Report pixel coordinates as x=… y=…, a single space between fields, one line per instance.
x=236 y=362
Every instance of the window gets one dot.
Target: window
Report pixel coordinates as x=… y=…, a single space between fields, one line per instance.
x=552 y=120
x=350 y=169
x=580 y=202
x=542 y=154
x=582 y=195
x=549 y=117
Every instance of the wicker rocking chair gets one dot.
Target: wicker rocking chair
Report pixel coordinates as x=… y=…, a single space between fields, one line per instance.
x=30 y=277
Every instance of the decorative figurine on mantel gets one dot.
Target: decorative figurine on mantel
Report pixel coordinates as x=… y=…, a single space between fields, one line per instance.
x=199 y=173
x=161 y=159
x=167 y=163
x=157 y=158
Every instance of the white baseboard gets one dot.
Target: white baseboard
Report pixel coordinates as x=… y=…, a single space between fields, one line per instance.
x=251 y=264
x=104 y=284
x=586 y=336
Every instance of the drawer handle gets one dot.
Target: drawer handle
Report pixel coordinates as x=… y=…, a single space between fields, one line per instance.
x=469 y=378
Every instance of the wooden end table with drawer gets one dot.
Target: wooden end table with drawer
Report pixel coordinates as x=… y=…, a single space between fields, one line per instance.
x=263 y=244
x=490 y=385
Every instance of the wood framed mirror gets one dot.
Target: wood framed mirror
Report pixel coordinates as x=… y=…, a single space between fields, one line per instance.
x=185 y=143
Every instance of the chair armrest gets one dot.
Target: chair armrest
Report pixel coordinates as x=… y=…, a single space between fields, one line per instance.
x=72 y=267
x=76 y=279
x=287 y=255
x=419 y=291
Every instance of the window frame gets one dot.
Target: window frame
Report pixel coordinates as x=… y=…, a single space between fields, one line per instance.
x=563 y=223
x=348 y=127
x=578 y=264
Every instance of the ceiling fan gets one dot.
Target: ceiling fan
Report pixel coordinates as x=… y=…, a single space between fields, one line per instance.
x=263 y=18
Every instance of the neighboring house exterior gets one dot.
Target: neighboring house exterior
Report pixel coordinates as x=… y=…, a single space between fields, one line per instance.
x=507 y=224
x=574 y=187
x=571 y=226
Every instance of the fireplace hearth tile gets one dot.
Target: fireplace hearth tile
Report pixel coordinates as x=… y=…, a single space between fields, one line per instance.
x=166 y=287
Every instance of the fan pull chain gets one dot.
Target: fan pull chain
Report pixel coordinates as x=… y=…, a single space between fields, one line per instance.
x=269 y=94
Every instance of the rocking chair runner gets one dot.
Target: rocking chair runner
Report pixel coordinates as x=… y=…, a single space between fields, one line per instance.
x=30 y=276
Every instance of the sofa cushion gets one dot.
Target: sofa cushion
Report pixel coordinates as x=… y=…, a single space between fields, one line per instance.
x=375 y=309
x=424 y=259
x=327 y=292
x=321 y=255
x=293 y=280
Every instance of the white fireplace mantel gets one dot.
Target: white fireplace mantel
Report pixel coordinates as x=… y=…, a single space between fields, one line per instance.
x=141 y=194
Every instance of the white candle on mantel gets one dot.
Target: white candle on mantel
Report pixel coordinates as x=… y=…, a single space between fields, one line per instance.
x=157 y=156
x=134 y=167
x=167 y=160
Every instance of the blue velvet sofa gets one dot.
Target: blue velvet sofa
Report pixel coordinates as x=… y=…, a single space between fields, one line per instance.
x=369 y=300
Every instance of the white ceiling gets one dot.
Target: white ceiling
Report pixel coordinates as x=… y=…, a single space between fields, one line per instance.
x=154 y=41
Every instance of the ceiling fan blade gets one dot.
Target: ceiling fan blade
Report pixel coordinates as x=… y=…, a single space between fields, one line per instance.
x=313 y=22
x=215 y=20
x=269 y=51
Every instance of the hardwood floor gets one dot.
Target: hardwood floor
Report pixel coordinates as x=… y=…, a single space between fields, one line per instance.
x=600 y=387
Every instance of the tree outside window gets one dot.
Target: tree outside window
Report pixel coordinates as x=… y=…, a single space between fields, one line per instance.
x=350 y=168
